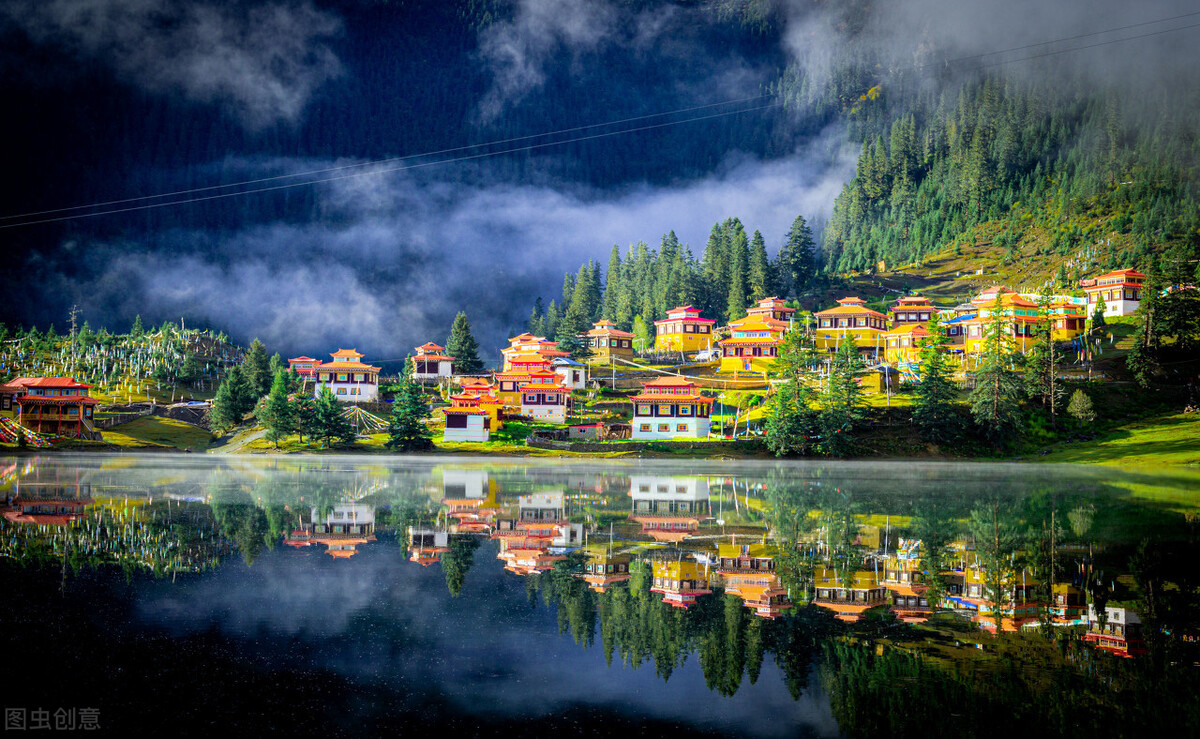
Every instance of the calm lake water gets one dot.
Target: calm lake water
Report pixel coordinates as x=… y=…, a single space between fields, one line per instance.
x=339 y=596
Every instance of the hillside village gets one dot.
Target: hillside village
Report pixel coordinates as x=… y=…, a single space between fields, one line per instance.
x=693 y=381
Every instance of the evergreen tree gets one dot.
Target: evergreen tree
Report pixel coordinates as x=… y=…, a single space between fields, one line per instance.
x=457 y=562
x=842 y=403
x=933 y=404
x=304 y=411
x=257 y=369
x=231 y=402
x=792 y=423
x=537 y=319
x=612 y=290
x=275 y=366
x=552 y=320
x=330 y=422
x=406 y=426
x=995 y=401
x=462 y=346
x=277 y=414
x=796 y=259
x=760 y=282
x=1098 y=314
x=189 y=371
x=798 y=355
x=136 y=331
x=739 y=270
x=1042 y=363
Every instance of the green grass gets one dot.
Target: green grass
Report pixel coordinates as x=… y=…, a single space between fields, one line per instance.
x=157 y=431
x=1169 y=440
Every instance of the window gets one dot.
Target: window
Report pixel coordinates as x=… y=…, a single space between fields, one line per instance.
x=342 y=377
x=924 y=316
x=685 y=410
x=643 y=410
x=703 y=329
x=681 y=427
x=645 y=428
x=341 y=391
x=687 y=328
x=456 y=421
x=530 y=398
x=358 y=377
x=624 y=343
x=664 y=428
x=664 y=409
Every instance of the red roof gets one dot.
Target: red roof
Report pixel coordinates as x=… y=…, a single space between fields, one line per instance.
x=58 y=382
x=335 y=366
x=346 y=353
x=302 y=359
x=608 y=328
x=429 y=347
x=669 y=382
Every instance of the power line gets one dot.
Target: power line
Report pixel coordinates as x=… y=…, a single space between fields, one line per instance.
x=531 y=147
x=1092 y=46
x=1066 y=38
x=388 y=160
x=386 y=170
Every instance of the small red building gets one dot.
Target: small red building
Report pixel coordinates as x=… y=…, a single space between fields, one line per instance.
x=56 y=405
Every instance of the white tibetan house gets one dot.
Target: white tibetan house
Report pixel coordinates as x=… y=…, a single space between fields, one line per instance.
x=351 y=380
x=431 y=364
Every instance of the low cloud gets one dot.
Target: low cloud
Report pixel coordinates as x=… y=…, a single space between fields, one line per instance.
x=261 y=63
x=394 y=257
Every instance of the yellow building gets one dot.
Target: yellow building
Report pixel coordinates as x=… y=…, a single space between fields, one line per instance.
x=683 y=330
x=851 y=321
x=1019 y=332
x=848 y=594
x=605 y=341
x=1067 y=320
x=681 y=582
x=753 y=344
x=903 y=343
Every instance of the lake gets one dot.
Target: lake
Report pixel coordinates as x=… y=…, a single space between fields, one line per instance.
x=342 y=596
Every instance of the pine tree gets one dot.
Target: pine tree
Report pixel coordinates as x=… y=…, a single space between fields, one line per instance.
x=1042 y=363
x=577 y=319
x=792 y=423
x=136 y=331
x=933 y=404
x=462 y=346
x=842 y=404
x=257 y=369
x=331 y=422
x=760 y=277
x=995 y=401
x=1098 y=314
x=275 y=366
x=232 y=401
x=277 y=414
x=406 y=425
x=304 y=411
x=796 y=259
x=537 y=319
x=612 y=289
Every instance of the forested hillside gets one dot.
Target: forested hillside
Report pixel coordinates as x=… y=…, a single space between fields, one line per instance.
x=1101 y=182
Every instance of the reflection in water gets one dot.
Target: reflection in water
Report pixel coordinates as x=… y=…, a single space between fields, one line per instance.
x=1012 y=596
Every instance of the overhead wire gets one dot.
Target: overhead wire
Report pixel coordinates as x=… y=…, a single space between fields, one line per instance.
x=374 y=164
x=386 y=170
x=387 y=160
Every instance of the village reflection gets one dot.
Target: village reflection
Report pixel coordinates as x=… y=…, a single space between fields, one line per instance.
x=829 y=575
